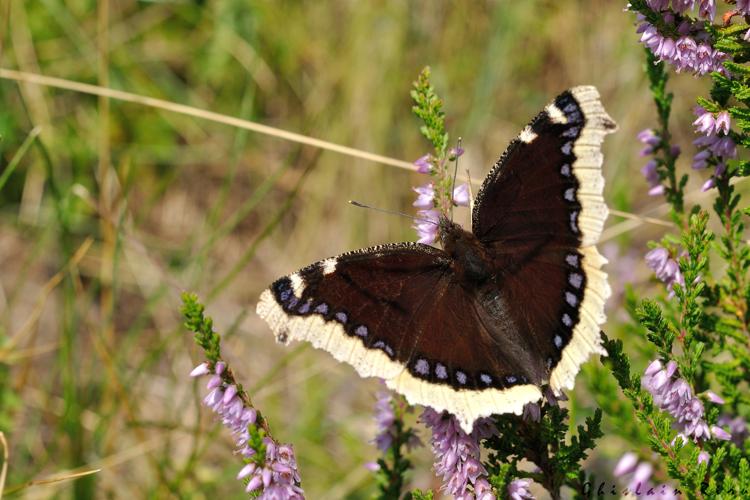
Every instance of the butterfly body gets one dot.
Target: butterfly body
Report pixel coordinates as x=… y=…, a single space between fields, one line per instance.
x=470 y=261
x=479 y=326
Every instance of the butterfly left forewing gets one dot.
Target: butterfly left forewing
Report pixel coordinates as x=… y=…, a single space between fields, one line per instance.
x=357 y=305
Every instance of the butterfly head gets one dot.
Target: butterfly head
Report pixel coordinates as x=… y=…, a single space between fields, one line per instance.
x=449 y=232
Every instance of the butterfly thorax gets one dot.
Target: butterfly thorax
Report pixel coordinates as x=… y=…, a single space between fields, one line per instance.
x=471 y=263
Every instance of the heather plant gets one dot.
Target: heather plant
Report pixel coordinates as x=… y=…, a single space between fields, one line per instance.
x=270 y=468
x=690 y=402
x=683 y=416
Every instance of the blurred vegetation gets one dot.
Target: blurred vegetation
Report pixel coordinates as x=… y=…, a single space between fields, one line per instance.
x=109 y=210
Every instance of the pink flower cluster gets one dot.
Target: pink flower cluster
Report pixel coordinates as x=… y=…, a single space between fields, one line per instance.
x=706 y=8
x=691 y=51
x=715 y=145
x=458 y=455
x=277 y=477
x=674 y=395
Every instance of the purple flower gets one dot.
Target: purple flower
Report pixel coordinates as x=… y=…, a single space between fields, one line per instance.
x=201 y=369
x=714 y=398
x=722 y=122
x=626 y=464
x=665 y=268
x=701 y=158
x=714 y=149
x=426 y=196
x=682 y=6
x=424 y=164
x=709 y=184
x=743 y=7
x=703 y=457
x=385 y=419
x=427 y=225
x=650 y=170
x=720 y=433
x=705 y=123
x=275 y=474
x=454 y=153
x=372 y=466
x=737 y=428
x=686 y=53
x=723 y=147
x=518 y=489
x=461 y=195
x=709 y=125
x=707 y=9
x=657 y=190
x=640 y=481
x=675 y=396
x=641 y=476
x=650 y=139
x=651 y=174
x=458 y=455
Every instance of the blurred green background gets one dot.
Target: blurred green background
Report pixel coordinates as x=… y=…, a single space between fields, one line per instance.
x=109 y=209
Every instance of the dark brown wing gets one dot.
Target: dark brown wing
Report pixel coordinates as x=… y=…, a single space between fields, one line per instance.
x=539 y=212
x=396 y=312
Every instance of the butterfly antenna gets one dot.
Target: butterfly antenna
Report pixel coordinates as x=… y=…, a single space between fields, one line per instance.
x=455 y=174
x=391 y=212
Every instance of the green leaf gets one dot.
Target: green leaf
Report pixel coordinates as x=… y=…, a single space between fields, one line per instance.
x=743 y=168
x=737 y=69
x=419 y=495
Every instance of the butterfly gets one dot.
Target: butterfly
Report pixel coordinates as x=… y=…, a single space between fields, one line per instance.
x=480 y=326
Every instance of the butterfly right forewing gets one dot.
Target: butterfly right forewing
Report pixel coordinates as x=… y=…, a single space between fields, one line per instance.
x=540 y=211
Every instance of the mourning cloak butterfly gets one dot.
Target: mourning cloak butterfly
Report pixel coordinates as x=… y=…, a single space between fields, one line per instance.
x=478 y=327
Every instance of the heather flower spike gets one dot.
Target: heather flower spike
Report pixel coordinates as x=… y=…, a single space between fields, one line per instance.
x=675 y=396
x=692 y=50
x=392 y=436
x=385 y=419
x=270 y=468
x=458 y=456
x=650 y=170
